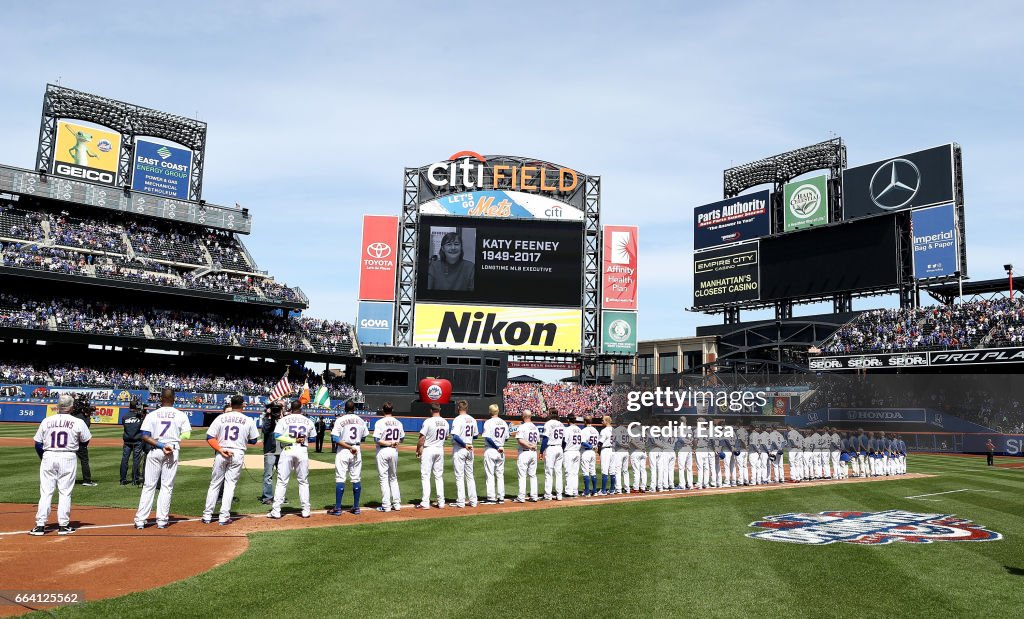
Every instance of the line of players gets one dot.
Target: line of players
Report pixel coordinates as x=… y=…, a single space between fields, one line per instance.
x=754 y=456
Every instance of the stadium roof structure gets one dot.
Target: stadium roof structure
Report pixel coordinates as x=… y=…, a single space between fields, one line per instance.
x=993 y=288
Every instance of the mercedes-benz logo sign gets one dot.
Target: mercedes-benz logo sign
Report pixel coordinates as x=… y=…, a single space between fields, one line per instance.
x=894 y=184
x=378 y=250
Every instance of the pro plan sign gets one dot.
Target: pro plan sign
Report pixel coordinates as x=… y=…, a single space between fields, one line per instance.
x=869 y=528
x=908 y=181
x=805 y=203
x=742 y=218
x=378 y=262
x=470 y=170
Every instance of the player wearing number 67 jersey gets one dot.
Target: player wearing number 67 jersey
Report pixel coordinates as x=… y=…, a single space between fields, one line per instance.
x=57 y=440
x=588 y=459
x=495 y=434
x=228 y=435
x=164 y=429
x=292 y=432
x=552 y=454
x=388 y=433
x=463 y=432
x=349 y=432
x=430 y=451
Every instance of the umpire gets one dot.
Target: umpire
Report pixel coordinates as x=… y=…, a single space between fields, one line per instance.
x=132 y=443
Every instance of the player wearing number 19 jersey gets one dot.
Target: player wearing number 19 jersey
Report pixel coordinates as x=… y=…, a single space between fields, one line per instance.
x=57 y=440
x=228 y=435
x=388 y=433
x=163 y=429
x=348 y=433
x=430 y=451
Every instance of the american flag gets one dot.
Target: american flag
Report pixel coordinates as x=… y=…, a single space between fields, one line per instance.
x=282 y=388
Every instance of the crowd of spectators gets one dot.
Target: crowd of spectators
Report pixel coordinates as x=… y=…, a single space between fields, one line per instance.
x=19 y=372
x=18 y=223
x=330 y=336
x=571 y=400
x=93 y=235
x=966 y=325
x=50 y=259
x=226 y=251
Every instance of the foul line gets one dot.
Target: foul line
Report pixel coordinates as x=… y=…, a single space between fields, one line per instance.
x=918 y=496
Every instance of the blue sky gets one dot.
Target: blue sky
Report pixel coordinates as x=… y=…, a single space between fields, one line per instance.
x=314 y=108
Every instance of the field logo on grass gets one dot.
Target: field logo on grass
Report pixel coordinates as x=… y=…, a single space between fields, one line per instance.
x=870 y=528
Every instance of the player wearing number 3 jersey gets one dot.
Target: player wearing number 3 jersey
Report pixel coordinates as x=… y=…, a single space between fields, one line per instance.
x=292 y=432
x=163 y=429
x=430 y=451
x=228 y=435
x=348 y=433
x=388 y=433
x=57 y=440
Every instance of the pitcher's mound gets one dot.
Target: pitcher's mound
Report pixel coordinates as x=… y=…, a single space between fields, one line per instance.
x=254 y=461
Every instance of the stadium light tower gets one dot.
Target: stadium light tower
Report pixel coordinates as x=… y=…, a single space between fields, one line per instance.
x=1009 y=273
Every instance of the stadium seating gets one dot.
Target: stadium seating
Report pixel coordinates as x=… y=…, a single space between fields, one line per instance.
x=569 y=399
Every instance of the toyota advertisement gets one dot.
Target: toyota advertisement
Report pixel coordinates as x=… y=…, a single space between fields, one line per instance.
x=378 y=262
x=935 y=244
x=86 y=153
x=742 y=218
x=619 y=268
x=924 y=178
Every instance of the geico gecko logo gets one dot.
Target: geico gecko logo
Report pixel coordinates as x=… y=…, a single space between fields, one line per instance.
x=466 y=169
x=870 y=528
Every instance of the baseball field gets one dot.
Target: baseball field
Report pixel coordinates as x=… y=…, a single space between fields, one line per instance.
x=679 y=553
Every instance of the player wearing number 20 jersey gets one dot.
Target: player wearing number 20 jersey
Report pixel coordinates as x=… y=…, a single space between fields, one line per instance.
x=57 y=440
x=349 y=432
x=388 y=433
x=430 y=451
x=164 y=429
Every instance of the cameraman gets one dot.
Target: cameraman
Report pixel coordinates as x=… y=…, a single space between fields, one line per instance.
x=132 y=443
x=270 y=451
x=83 y=410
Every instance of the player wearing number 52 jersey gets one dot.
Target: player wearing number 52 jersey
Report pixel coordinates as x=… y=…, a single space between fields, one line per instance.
x=292 y=432
x=163 y=429
x=229 y=434
x=495 y=434
x=430 y=451
x=57 y=440
x=463 y=432
x=348 y=433
x=388 y=433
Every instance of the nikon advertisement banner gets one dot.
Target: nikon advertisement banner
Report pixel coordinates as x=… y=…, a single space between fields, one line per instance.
x=488 y=327
x=618 y=333
x=727 y=275
x=805 y=203
x=86 y=153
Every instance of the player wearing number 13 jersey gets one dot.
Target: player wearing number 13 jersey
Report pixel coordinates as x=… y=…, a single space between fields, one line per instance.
x=57 y=440
x=292 y=432
x=229 y=434
x=430 y=451
x=163 y=429
x=348 y=433
x=388 y=433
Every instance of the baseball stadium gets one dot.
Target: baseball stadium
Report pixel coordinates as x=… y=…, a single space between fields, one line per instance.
x=442 y=398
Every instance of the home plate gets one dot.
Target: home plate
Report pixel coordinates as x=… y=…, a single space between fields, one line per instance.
x=253 y=461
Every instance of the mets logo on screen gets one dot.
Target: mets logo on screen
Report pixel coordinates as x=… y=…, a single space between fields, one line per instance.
x=870 y=528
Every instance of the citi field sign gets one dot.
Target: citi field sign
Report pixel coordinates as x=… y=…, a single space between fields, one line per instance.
x=467 y=169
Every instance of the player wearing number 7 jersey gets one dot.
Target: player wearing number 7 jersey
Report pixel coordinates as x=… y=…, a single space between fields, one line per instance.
x=463 y=432
x=388 y=433
x=228 y=435
x=349 y=432
x=57 y=440
x=163 y=429
x=292 y=432
x=430 y=451
x=495 y=435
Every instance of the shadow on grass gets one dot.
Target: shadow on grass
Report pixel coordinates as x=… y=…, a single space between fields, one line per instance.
x=1014 y=571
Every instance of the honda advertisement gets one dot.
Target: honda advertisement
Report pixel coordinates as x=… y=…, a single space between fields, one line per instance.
x=618 y=271
x=378 y=262
x=742 y=218
x=924 y=178
x=936 y=251
x=375 y=322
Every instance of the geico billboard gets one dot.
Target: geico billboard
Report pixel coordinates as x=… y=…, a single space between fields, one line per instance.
x=501 y=204
x=86 y=153
x=467 y=169
x=487 y=327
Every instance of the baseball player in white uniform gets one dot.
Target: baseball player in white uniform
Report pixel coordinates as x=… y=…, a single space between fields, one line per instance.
x=228 y=435
x=776 y=443
x=571 y=459
x=606 y=443
x=664 y=446
x=292 y=432
x=823 y=449
x=795 y=442
x=835 y=450
x=495 y=434
x=57 y=440
x=811 y=462
x=758 y=455
x=464 y=430
x=388 y=434
x=588 y=459
x=727 y=446
x=348 y=433
x=163 y=429
x=703 y=455
x=552 y=453
x=741 y=474
x=430 y=451
x=527 y=436
x=620 y=439
x=684 y=458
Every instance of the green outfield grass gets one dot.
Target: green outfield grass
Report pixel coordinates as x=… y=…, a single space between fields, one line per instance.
x=680 y=556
